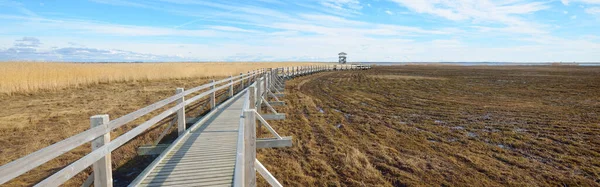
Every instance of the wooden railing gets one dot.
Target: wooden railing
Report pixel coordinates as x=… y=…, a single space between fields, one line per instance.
x=246 y=164
x=258 y=82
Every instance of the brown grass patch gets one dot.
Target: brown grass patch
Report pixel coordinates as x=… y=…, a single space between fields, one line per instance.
x=479 y=127
x=405 y=77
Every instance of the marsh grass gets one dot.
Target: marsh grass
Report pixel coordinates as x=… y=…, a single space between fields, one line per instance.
x=27 y=77
x=440 y=126
x=44 y=103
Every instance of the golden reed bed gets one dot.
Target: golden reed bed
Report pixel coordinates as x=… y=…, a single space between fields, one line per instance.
x=32 y=76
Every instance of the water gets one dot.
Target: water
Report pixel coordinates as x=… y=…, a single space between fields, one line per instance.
x=479 y=63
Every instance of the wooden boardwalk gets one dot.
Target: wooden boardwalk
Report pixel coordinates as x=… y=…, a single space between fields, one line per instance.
x=218 y=150
x=204 y=156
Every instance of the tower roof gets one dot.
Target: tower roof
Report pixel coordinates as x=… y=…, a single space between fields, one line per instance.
x=342 y=53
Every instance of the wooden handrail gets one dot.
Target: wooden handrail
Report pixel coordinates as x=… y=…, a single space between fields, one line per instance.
x=18 y=167
x=238 y=173
x=35 y=159
x=79 y=165
x=157 y=160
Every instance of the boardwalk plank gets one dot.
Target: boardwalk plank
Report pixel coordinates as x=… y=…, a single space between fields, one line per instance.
x=206 y=157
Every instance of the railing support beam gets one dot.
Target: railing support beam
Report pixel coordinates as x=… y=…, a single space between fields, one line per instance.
x=242 y=82
x=249 y=147
x=231 y=86
x=266 y=175
x=213 y=95
x=180 y=114
x=102 y=168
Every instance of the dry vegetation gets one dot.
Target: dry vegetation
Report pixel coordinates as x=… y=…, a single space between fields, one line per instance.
x=441 y=126
x=35 y=118
x=389 y=126
x=33 y=76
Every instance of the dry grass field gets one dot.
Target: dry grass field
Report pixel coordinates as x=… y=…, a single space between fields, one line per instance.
x=34 y=76
x=48 y=102
x=441 y=126
x=388 y=126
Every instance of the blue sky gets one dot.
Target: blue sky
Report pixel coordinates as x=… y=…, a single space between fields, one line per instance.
x=301 y=30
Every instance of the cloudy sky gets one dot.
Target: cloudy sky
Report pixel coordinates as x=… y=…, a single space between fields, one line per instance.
x=301 y=30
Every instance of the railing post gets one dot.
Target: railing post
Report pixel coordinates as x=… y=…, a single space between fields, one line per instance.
x=266 y=87
x=270 y=79
x=180 y=114
x=242 y=81
x=249 y=147
x=249 y=78
x=252 y=91
x=102 y=168
x=230 y=86
x=252 y=97
x=258 y=92
x=213 y=95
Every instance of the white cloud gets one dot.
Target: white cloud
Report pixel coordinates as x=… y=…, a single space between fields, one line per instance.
x=566 y=2
x=347 y=5
x=593 y=10
x=233 y=29
x=28 y=48
x=502 y=12
x=322 y=19
x=389 y=12
x=573 y=17
x=70 y=26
